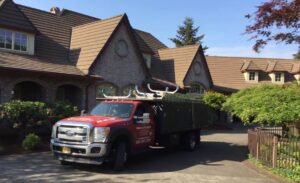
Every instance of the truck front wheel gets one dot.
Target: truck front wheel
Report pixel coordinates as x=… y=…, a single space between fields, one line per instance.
x=120 y=156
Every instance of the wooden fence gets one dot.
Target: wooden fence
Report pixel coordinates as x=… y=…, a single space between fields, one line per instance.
x=273 y=148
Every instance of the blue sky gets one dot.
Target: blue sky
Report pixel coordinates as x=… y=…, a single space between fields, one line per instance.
x=221 y=21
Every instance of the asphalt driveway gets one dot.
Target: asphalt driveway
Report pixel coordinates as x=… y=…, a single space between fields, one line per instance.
x=221 y=158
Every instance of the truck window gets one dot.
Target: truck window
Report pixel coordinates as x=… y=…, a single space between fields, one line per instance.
x=113 y=109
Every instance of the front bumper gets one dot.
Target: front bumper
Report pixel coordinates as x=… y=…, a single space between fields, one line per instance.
x=94 y=153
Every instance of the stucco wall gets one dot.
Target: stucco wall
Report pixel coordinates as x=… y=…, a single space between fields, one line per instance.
x=120 y=71
x=202 y=77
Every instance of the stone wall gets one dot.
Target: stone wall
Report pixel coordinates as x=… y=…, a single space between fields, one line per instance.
x=120 y=70
x=8 y=80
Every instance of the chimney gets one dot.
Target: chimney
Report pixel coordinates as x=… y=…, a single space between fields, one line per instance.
x=55 y=10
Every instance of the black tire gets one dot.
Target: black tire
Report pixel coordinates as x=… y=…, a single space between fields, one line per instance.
x=120 y=156
x=64 y=163
x=190 y=141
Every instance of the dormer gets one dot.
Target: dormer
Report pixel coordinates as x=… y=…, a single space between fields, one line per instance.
x=250 y=71
x=277 y=77
x=251 y=76
x=16 y=31
x=16 y=41
x=296 y=71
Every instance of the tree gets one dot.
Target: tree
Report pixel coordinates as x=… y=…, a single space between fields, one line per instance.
x=275 y=20
x=297 y=55
x=187 y=34
x=266 y=104
x=214 y=100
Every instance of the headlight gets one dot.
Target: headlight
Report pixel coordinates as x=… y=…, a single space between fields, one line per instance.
x=53 y=134
x=101 y=133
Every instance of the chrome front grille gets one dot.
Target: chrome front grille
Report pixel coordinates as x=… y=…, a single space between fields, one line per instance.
x=73 y=133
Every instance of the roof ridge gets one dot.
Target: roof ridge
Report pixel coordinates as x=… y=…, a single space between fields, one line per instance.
x=186 y=46
x=43 y=11
x=89 y=16
x=142 y=31
x=272 y=59
x=97 y=21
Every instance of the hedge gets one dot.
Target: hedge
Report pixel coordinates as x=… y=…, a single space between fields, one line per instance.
x=24 y=117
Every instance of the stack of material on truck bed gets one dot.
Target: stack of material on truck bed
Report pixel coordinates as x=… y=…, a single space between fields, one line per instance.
x=178 y=116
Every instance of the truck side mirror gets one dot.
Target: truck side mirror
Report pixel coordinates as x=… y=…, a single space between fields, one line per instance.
x=145 y=119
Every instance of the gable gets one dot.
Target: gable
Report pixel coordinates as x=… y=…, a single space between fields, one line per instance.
x=88 y=41
x=121 y=63
x=177 y=61
x=198 y=73
x=11 y=17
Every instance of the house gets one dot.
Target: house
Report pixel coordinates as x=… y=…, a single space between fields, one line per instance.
x=62 y=55
x=230 y=74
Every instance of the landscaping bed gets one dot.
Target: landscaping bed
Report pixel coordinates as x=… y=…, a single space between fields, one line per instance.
x=26 y=126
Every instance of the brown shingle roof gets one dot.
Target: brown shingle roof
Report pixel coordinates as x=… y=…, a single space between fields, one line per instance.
x=177 y=61
x=151 y=41
x=12 y=17
x=89 y=39
x=55 y=32
x=31 y=63
x=142 y=44
x=226 y=72
x=51 y=42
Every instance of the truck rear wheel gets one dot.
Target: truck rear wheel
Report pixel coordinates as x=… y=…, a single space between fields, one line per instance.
x=120 y=156
x=190 y=141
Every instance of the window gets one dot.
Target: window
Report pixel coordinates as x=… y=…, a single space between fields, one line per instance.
x=197 y=88
x=13 y=40
x=278 y=77
x=127 y=89
x=20 y=43
x=106 y=88
x=113 y=110
x=6 y=39
x=251 y=76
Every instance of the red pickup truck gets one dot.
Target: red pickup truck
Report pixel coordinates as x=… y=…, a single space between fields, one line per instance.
x=115 y=129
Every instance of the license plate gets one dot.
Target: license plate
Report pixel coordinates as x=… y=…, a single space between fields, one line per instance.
x=66 y=150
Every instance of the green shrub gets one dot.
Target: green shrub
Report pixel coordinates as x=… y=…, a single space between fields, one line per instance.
x=31 y=142
x=214 y=100
x=183 y=97
x=26 y=116
x=266 y=104
x=60 y=110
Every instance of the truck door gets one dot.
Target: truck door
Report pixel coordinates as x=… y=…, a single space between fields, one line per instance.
x=144 y=132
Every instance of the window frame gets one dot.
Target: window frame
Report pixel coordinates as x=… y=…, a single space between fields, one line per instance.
x=13 y=41
x=202 y=89
x=108 y=85
x=252 y=76
x=276 y=78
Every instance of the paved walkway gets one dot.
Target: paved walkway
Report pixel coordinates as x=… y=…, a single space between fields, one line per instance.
x=221 y=158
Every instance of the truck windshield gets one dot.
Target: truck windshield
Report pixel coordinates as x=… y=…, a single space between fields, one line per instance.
x=113 y=110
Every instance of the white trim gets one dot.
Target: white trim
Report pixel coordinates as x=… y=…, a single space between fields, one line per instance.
x=29 y=43
x=247 y=77
x=273 y=77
